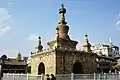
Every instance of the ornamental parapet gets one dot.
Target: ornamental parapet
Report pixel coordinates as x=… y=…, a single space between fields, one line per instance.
x=66 y=49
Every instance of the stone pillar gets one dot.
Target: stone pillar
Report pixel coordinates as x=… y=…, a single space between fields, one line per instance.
x=1 y=73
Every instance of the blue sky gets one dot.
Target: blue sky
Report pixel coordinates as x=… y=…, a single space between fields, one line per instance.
x=22 y=20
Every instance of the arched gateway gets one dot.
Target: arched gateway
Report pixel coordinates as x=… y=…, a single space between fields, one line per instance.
x=77 y=68
x=41 y=68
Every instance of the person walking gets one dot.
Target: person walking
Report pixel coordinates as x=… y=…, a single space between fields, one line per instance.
x=53 y=77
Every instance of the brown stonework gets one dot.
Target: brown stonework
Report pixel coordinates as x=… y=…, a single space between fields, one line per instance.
x=61 y=61
x=66 y=59
x=48 y=58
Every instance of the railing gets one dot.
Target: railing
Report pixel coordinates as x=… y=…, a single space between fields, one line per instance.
x=104 y=76
x=76 y=77
x=22 y=77
x=108 y=76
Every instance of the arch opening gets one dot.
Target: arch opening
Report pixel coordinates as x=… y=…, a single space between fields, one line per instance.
x=77 y=68
x=41 y=68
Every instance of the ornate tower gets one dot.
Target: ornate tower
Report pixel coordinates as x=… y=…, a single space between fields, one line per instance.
x=63 y=39
x=62 y=25
x=39 y=46
x=86 y=45
x=62 y=58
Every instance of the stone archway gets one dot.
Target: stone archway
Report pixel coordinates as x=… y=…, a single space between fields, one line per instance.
x=77 y=68
x=41 y=68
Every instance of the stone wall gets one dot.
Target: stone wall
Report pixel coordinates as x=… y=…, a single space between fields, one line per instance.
x=65 y=61
x=48 y=58
x=61 y=61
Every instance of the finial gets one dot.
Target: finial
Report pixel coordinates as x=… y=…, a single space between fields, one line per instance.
x=39 y=37
x=62 y=6
x=86 y=35
x=39 y=40
x=62 y=11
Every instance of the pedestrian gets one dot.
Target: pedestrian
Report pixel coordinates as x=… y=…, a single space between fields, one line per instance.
x=53 y=77
x=48 y=78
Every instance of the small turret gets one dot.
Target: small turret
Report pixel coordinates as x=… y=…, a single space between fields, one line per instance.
x=19 y=57
x=39 y=46
x=87 y=45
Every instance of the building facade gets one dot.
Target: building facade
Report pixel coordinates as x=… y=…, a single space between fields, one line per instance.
x=13 y=65
x=106 y=50
x=105 y=64
x=62 y=57
x=107 y=55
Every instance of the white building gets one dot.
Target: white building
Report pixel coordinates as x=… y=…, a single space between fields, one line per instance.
x=29 y=62
x=109 y=50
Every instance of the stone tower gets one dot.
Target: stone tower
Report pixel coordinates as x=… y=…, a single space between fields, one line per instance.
x=62 y=25
x=87 y=45
x=62 y=32
x=62 y=57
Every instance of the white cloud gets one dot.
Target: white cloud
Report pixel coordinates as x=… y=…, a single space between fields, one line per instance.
x=79 y=46
x=5 y=21
x=32 y=37
x=118 y=23
x=4 y=30
x=9 y=3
